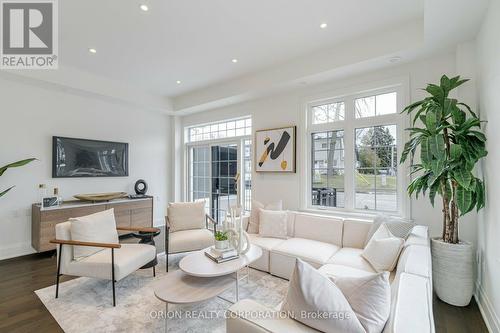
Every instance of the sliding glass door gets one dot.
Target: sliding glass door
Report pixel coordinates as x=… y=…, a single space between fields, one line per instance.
x=224 y=164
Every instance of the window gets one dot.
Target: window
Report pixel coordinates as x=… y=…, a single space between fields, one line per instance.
x=327 y=113
x=328 y=169
x=375 y=105
x=200 y=174
x=220 y=130
x=353 y=146
x=376 y=168
x=219 y=154
x=247 y=175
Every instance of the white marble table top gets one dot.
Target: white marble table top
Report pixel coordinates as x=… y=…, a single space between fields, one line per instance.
x=197 y=263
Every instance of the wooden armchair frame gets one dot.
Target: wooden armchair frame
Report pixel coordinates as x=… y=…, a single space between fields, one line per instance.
x=112 y=246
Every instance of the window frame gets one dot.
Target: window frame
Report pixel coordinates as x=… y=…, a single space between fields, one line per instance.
x=349 y=126
x=187 y=130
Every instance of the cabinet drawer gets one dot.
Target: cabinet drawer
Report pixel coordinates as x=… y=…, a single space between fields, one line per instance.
x=133 y=204
x=62 y=215
x=142 y=217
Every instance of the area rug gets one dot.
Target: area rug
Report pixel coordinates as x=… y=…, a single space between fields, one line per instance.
x=85 y=305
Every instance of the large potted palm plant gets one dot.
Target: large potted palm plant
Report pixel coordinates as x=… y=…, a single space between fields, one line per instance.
x=451 y=143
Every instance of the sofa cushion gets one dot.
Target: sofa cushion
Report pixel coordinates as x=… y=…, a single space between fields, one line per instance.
x=307 y=249
x=273 y=223
x=253 y=223
x=399 y=227
x=419 y=235
x=319 y=228
x=189 y=240
x=266 y=244
x=383 y=250
x=128 y=259
x=186 y=215
x=351 y=257
x=97 y=228
x=311 y=292
x=369 y=298
x=407 y=291
x=333 y=270
x=355 y=232
x=416 y=260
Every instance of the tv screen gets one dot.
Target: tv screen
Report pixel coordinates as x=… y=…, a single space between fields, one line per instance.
x=88 y=158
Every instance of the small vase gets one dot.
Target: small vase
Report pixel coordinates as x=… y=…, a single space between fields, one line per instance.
x=221 y=245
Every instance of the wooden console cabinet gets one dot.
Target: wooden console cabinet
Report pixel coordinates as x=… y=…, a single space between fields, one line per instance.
x=128 y=212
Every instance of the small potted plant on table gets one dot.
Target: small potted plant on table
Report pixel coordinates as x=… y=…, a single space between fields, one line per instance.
x=221 y=240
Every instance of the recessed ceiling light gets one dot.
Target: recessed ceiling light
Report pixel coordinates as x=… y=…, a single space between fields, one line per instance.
x=234 y=60
x=394 y=60
x=93 y=51
x=323 y=25
x=144 y=8
x=178 y=82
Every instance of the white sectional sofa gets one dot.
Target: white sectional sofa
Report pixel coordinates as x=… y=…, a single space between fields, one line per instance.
x=334 y=245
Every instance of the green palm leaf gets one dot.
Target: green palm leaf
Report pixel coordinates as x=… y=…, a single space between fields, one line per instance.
x=16 y=164
x=5 y=192
x=13 y=165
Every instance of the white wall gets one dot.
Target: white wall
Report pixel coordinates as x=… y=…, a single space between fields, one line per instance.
x=488 y=49
x=287 y=109
x=31 y=114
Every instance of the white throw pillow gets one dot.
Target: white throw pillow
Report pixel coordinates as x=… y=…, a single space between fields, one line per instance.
x=253 y=223
x=399 y=227
x=273 y=223
x=186 y=215
x=369 y=297
x=96 y=228
x=315 y=300
x=383 y=249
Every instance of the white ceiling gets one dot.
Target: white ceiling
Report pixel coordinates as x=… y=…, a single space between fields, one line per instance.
x=278 y=43
x=195 y=40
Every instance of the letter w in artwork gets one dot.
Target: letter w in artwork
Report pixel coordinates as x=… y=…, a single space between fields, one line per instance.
x=273 y=152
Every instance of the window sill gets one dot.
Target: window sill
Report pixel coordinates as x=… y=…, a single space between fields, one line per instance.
x=347 y=214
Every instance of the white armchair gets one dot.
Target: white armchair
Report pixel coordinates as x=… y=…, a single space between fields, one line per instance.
x=114 y=262
x=187 y=228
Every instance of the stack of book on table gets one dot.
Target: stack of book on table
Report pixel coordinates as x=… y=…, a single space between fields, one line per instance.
x=220 y=256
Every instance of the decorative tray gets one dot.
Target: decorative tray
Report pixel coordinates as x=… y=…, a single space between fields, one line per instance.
x=101 y=196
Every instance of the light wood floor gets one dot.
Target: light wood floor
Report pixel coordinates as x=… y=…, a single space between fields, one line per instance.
x=22 y=311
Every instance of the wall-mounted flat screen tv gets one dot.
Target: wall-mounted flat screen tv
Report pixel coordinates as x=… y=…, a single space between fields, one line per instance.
x=73 y=157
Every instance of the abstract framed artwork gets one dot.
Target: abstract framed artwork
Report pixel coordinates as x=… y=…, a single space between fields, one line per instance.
x=275 y=149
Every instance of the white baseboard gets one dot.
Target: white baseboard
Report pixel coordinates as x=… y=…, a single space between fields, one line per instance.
x=489 y=315
x=15 y=250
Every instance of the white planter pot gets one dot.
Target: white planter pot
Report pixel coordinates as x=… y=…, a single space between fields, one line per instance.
x=221 y=245
x=453 y=271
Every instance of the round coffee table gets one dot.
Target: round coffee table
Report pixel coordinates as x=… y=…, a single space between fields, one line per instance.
x=197 y=263
x=200 y=278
